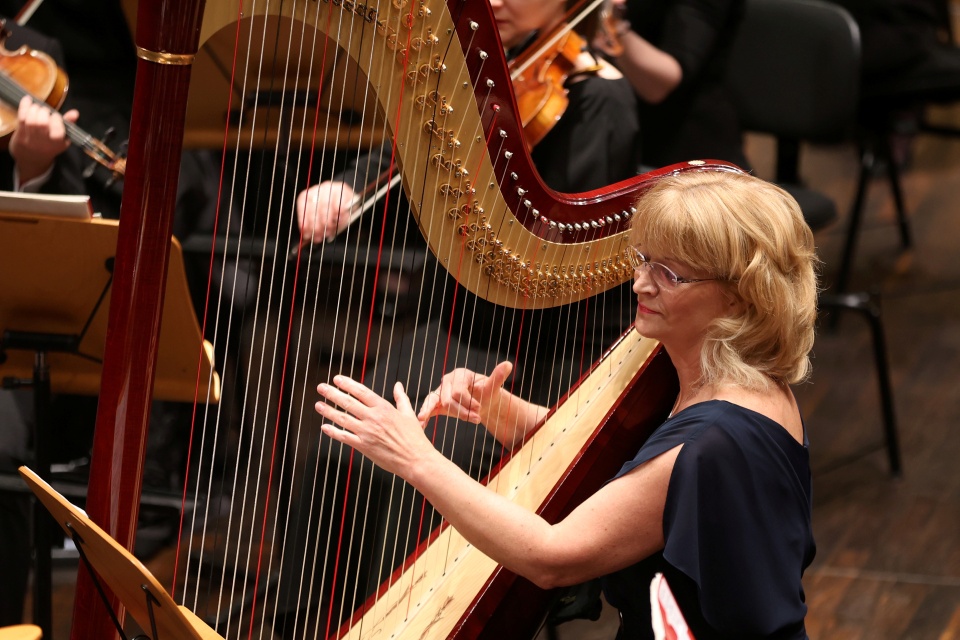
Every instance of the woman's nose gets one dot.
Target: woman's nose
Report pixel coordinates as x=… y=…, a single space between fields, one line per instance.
x=643 y=280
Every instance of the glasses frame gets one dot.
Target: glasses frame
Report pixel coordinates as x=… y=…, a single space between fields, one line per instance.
x=663 y=275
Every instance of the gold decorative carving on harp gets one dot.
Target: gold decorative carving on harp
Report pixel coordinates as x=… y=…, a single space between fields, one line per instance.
x=563 y=249
x=443 y=91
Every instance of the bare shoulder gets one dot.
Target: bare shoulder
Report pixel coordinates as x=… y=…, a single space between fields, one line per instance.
x=777 y=403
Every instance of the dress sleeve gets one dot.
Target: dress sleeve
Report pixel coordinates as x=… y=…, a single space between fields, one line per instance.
x=730 y=519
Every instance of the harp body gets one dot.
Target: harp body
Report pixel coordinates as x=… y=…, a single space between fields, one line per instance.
x=443 y=91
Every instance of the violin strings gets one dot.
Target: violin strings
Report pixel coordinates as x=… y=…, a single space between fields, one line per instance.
x=12 y=93
x=568 y=25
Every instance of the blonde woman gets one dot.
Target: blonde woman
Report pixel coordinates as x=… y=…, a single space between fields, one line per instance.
x=718 y=499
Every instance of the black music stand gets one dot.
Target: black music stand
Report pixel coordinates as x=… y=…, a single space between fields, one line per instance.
x=55 y=276
x=133 y=584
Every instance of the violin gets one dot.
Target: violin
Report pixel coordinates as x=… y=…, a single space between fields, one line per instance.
x=28 y=72
x=540 y=73
x=539 y=83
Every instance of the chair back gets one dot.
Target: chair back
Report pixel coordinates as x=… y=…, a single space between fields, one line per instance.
x=794 y=71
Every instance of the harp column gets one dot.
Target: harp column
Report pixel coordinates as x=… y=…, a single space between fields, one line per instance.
x=167 y=37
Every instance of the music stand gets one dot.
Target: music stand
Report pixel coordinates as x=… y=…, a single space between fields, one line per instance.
x=21 y=632
x=133 y=584
x=55 y=276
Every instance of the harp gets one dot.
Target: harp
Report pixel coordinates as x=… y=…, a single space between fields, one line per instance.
x=443 y=88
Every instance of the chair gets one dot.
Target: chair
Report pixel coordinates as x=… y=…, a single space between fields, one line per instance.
x=895 y=98
x=794 y=73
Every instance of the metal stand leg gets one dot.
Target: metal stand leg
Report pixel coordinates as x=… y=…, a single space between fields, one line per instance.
x=867 y=161
x=42 y=524
x=43 y=527
x=893 y=174
x=866 y=306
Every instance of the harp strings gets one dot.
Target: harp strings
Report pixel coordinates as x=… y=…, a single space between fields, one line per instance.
x=309 y=325
x=280 y=365
x=242 y=514
x=203 y=490
x=294 y=334
x=414 y=381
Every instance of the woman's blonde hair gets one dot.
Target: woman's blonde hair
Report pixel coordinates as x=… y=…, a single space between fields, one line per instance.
x=752 y=234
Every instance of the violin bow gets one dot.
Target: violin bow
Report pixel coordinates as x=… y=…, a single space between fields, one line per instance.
x=26 y=12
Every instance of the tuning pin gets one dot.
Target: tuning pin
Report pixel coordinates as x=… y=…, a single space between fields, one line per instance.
x=114 y=176
x=119 y=163
x=105 y=140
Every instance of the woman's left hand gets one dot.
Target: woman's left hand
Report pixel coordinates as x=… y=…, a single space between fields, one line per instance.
x=391 y=436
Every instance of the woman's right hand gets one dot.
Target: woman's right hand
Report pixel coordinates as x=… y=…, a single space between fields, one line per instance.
x=478 y=398
x=323 y=210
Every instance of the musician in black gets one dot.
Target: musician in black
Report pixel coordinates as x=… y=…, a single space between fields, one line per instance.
x=908 y=53
x=675 y=55
x=909 y=59
x=718 y=499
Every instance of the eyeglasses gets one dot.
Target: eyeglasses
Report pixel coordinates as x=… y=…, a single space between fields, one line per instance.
x=663 y=275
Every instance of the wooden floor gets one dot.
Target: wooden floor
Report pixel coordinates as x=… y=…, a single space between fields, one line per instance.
x=888 y=559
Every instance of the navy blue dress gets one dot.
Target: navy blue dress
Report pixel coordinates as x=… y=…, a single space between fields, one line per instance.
x=736 y=526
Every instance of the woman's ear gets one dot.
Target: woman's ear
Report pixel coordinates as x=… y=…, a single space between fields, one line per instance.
x=735 y=305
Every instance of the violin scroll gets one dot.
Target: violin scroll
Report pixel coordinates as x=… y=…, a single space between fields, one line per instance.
x=613 y=27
